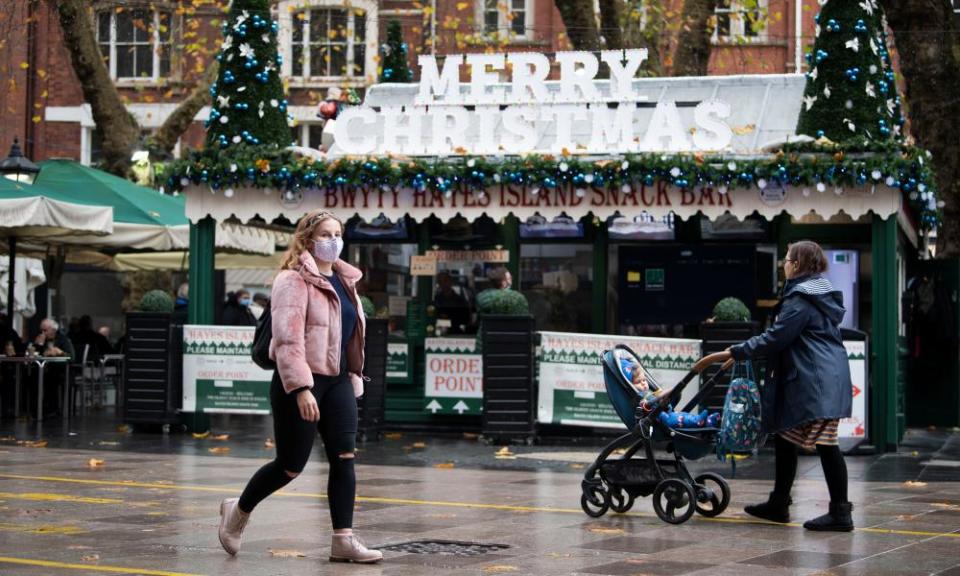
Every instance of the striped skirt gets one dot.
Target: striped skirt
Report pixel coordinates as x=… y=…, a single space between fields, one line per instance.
x=808 y=435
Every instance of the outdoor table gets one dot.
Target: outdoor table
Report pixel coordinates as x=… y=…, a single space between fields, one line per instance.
x=116 y=359
x=41 y=362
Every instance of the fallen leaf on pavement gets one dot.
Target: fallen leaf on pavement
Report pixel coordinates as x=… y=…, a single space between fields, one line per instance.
x=607 y=530
x=577 y=466
x=504 y=452
x=393 y=436
x=94 y=463
x=269 y=443
x=914 y=484
x=33 y=443
x=281 y=553
x=444 y=465
x=220 y=450
x=91 y=558
x=201 y=435
x=220 y=437
x=499 y=569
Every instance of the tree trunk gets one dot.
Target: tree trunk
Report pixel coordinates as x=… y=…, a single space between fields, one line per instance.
x=165 y=139
x=581 y=24
x=928 y=46
x=611 y=24
x=119 y=128
x=693 y=45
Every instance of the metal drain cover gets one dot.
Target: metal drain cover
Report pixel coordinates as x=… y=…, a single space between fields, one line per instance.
x=449 y=547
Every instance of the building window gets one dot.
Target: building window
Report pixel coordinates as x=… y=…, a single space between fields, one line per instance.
x=135 y=43
x=740 y=20
x=510 y=18
x=328 y=43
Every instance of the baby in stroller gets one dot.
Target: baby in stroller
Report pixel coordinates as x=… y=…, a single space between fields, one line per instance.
x=651 y=395
x=649 y=459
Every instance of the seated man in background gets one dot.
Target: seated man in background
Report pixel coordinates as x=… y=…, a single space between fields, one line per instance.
x=85 y=336
x=51 y=342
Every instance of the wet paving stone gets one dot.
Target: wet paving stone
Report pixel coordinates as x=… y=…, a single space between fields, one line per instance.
x=802 y=559
x=153 y=507
x=651 y=566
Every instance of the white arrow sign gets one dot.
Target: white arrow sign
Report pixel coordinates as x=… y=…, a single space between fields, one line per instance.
x=460 y=407
x=434 y=406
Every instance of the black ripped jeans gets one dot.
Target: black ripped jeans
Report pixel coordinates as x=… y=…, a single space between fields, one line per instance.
x=294 y=442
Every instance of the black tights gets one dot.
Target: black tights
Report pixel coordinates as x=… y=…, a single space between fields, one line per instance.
x=831 y=459
x=294 y=441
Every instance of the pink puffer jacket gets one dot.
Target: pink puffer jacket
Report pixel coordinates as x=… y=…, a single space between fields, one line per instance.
x=306 y=325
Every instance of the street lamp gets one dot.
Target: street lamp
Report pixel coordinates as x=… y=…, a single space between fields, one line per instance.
x=17 y=167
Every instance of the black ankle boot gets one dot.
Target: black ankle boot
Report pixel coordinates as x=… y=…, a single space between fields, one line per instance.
x=838 y=520
x=775 y=509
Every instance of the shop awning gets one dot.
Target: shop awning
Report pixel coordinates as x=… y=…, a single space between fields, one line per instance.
x=144 y=219
x=753 y=174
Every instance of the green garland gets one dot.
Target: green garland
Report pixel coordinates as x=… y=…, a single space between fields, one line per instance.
x=812 y=164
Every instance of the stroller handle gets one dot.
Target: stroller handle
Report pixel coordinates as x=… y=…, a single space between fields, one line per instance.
x=710 y=359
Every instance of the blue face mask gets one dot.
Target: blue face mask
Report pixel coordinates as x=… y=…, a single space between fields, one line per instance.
x=245 y=302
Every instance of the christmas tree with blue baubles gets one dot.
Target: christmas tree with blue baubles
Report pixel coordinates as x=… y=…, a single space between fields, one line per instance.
x=851 y=93
x=394 y=56
x=248 y=104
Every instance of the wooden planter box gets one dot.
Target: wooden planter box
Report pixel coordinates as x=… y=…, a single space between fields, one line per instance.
x=153 y=368
x=509 y=398
x=717 y=337
x=371 y=405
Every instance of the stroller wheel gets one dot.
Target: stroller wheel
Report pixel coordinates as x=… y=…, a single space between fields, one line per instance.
x=674 y=501
x=595 y=501
x=713 y=494
x=620 y=500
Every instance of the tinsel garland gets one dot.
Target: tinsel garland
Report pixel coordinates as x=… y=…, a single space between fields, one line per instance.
x=816 y=165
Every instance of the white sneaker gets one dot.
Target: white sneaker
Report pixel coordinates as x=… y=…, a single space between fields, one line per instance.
x=232 y=522
x=349 y=548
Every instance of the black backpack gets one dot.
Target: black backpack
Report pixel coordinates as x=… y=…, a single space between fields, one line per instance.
x=260 y=351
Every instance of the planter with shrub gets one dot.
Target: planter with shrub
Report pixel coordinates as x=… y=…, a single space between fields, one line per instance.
x=507 y=345
x=153 y=365
x=731 y=324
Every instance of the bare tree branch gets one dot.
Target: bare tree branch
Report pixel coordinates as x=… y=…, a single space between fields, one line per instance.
x=611 y=23
x=693 y=45
x=927 y=37
x=165 y=139
x=119 y=128
x=581 y=24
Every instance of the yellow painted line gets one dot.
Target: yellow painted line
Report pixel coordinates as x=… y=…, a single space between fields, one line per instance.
x=42 y=529
x=441 y=503
x=47 y=497
x=89 y=567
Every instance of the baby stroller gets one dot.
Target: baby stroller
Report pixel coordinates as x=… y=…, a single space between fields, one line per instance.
x=676 y=495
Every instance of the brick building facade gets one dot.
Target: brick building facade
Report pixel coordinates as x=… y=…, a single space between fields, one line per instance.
x=157 y=49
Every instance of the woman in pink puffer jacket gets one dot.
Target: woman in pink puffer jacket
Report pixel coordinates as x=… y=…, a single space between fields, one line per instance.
x=318 y=337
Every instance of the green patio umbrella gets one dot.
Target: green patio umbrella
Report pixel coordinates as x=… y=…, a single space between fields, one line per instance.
x=144 y=219
x=44 y=215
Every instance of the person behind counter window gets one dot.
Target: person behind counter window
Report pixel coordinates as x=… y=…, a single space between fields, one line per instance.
x=318 y=342
x=451 y=305
x=236 y=312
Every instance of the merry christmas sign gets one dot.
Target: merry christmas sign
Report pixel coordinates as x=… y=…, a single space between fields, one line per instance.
x=484 y=116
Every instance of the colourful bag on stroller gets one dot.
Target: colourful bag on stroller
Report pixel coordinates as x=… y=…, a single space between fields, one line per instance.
x=740 y=425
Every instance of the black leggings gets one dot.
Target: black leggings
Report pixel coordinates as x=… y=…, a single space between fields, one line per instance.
x=294 y=441
x=831 y=459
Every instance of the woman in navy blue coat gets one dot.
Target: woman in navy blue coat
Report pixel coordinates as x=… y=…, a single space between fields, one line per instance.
x=808 y=385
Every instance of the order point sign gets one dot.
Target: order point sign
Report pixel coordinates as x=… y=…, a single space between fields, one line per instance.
x=453 y=381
